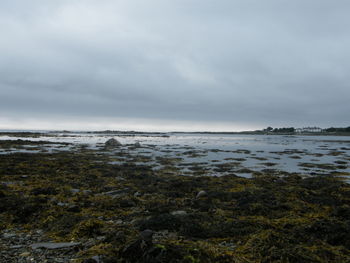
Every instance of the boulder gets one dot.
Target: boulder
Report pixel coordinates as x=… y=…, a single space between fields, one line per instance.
x=112 y=143
x=147 y=235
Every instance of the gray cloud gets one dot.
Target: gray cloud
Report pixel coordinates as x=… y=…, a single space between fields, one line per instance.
x=242 y=62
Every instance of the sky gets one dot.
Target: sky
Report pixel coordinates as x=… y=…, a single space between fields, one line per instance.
x=164 y=65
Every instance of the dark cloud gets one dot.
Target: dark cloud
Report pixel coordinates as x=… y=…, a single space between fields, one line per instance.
x=244 y=63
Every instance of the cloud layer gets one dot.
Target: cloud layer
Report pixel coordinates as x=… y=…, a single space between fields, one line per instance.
x=242 y=63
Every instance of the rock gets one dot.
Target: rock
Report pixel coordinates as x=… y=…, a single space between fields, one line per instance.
x=74 y=191
x=100 y=238
x=39 y=231
x=119 y=178
x=201 y=194
x=54 y=245
x=16 y=247
x=90 y=260
x=228 y=245
x=94 y=259
x=117 y=193
x=112 y=143
x=137 y=194
x=8 y=235
x=120 y=235
x=25 y=254
x=119 y=222
x=137 y=145
x=62 y=204
x=147 y=235
x=179 y=213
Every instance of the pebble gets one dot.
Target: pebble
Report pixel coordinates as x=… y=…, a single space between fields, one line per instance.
x=117 y=193
x=24 y=254
x=179 y=213
x=119 y=178
x=16 y=247
x=74 y=191
x=137 y=194
x=96 y=258
x=119 y=222
x=8 y=235
x=62 y=204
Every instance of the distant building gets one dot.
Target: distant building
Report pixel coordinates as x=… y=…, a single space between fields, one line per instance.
x=308 y=130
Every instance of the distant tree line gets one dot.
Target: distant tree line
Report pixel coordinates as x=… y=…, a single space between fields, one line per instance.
x=332 y=129
x=293 y=130
x=280 y=130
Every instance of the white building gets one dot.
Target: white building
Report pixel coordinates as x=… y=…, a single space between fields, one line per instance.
x=308 y=130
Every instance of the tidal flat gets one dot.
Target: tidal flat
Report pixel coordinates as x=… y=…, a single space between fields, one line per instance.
x=66 y=197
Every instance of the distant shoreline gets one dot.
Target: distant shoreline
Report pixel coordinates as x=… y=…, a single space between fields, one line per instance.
x=38 y=133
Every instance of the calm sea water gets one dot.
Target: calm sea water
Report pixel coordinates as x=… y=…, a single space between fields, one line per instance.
x=301 y=154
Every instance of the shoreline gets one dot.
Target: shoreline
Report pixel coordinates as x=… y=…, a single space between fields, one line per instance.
x=133 y=133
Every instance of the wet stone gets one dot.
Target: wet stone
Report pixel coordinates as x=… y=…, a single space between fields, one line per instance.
x=16 y=247
x=74 y=191
x=201 y=194
x=54 y=245
x=9 y=235
x=179 y=213
x=117 y=193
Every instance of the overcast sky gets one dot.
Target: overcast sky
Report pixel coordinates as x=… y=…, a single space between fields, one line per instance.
x=174 y=64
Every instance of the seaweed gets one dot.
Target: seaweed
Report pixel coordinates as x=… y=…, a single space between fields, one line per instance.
x=80 y=195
